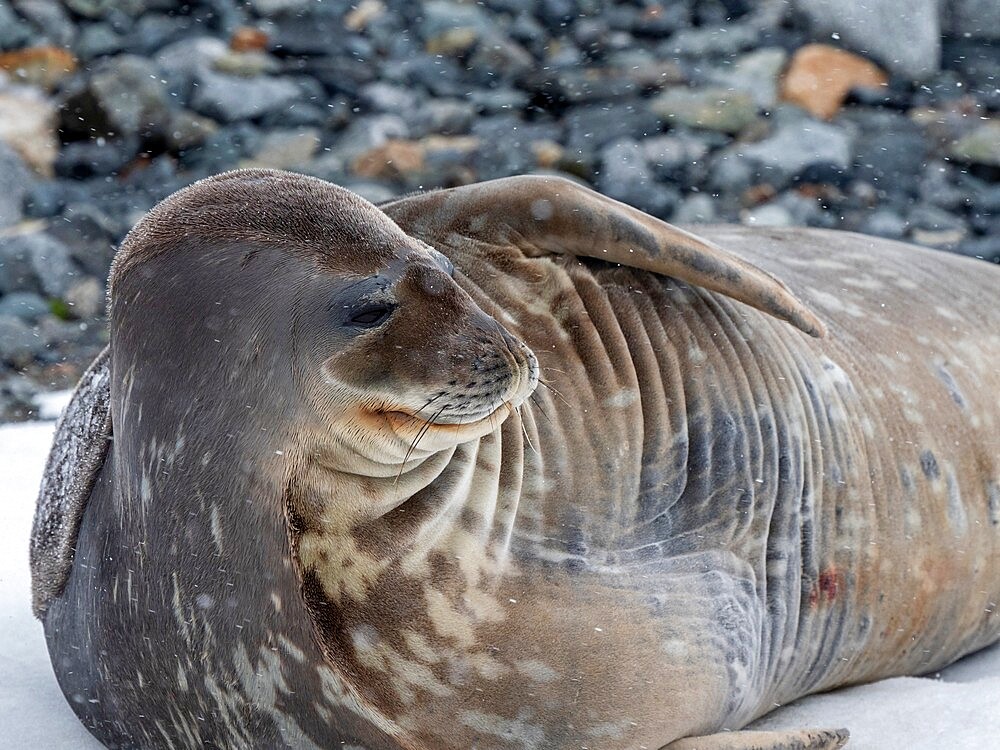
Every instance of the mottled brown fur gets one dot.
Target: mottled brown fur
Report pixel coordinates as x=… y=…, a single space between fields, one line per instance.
x=703 y=512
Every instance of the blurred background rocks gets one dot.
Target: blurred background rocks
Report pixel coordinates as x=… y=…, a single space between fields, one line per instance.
x=882 y=118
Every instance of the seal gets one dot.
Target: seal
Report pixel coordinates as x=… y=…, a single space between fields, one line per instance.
x=513 y=465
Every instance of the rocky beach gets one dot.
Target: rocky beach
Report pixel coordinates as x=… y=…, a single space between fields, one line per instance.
x=884 y=121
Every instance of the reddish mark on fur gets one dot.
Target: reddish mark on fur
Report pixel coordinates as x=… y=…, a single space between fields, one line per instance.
x=826 y=588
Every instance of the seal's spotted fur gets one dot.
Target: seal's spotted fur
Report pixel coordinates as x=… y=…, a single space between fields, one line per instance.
x=303 y=535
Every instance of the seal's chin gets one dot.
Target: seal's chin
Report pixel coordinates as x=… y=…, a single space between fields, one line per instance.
x=482 y=420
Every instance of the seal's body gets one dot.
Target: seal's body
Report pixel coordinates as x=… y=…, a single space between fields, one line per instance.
x=703 y=514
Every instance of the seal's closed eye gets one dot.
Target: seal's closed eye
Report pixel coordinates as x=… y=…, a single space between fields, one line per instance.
x=371 y=315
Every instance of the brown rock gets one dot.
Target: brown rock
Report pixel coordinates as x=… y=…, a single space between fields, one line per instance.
x=547 y=153
x=27 y=124
x=819 y=78
x=39 y=66
x=391 y=160
x=248 y=39
x=365 y=12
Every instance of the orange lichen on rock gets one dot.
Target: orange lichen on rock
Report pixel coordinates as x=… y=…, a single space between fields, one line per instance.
x=39 y=66
x=394 y=158
x=819 y=78
x=248 y=39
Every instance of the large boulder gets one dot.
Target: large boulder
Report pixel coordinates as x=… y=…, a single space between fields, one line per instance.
x=904 y=36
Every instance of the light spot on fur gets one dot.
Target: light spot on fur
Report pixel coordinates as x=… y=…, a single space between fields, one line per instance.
x=536 y=670
x=447 y=621
x=419 y=647
x=624 y=397
x=216 y=524
x=519 y=732
x=696 y=356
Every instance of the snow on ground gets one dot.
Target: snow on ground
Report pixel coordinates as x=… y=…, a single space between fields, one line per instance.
x=960 y=711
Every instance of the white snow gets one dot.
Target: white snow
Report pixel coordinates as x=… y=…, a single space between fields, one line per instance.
x=960 y=711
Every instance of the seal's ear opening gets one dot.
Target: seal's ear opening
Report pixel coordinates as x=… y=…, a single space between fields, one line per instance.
x=553 y=215
x=79 y=449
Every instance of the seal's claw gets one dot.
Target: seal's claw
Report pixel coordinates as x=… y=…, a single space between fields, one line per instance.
x=804 y=739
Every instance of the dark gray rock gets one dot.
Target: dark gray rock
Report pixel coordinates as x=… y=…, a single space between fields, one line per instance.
x=656 y=21
x=95 y=9
x=935 y=227
x=228 y=98
x=806 y=150
x=17 y=399
x=186 y=130
x=885 y=223
x=90 y=234
x=696 y=208
x=716 y=41
x=557 y=14
x=729 y=173
x=590 y=127
x=720 y=109
x=365 y=133
x=308 y=34
x=52 y=263
x=50 y=20
x=223 y=149
x=891 y=160
x=902 y=35
x=443 y=116
x=978 y=63
x=26 y=306
x=45 y=198
x=768 y=215
x=942 y=185
x=19 y=342
x=299 y=114
x=124 y=97
x=675 y=157
x=98 y=158
x=506 y=145
x=179 y=64
x=498 y=100
x=35 y=262
x=279 y=7
x=98 y=40
x=497 y=57
x=439 y=17
x=755 y=73
x=986 y=248
x=155 y=31
x=16 y=180
x=625 y=175
x=978 y=19
x=14 y=32
x=385 y=97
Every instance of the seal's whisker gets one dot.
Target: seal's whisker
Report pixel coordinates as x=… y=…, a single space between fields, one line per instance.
x=524 y=429
x=416 y=440
x=431 y=401
x=535 y=400
x=556 y=392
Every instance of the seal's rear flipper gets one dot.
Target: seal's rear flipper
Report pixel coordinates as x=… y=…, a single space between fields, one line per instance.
x=78 y=451
x=552 y=215
x=804 y=739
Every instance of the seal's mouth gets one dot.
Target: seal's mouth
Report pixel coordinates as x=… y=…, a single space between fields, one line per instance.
x=440 y=412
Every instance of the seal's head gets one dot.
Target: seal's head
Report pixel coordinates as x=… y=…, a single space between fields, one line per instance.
x=389 y=359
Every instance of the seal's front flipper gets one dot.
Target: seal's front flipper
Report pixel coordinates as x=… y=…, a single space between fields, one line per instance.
x=78 y=451
x=553 y=216
x=804 y=739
